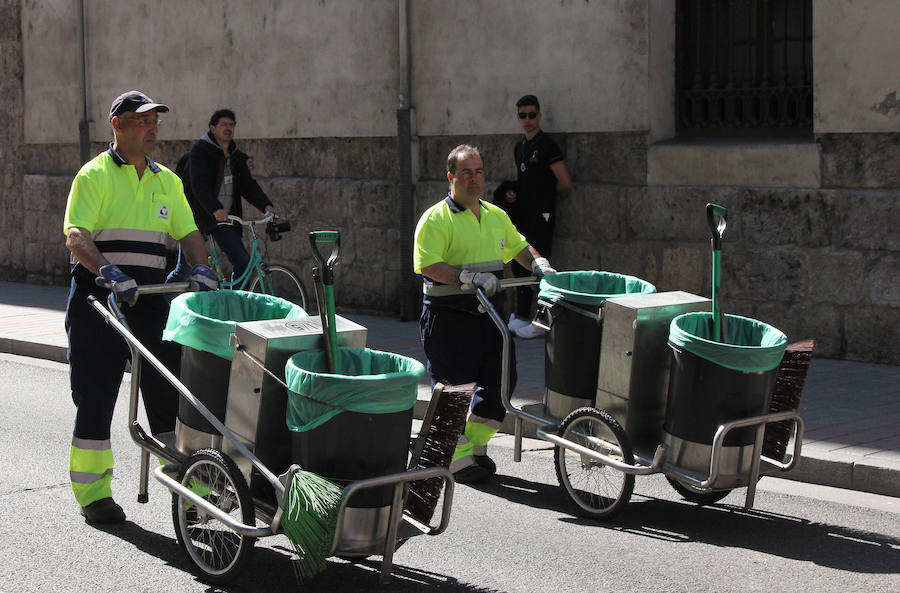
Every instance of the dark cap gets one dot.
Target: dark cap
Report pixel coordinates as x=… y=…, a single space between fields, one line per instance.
x=134 y=101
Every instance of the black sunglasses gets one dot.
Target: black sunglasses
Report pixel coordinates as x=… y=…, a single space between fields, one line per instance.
x=528 y=114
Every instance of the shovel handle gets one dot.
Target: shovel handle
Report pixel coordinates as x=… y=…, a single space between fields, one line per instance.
x=716 y=217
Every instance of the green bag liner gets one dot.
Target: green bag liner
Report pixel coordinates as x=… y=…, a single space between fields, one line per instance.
x=205 y=320
x=590 y=287
x=752 y=346
x=372 y=382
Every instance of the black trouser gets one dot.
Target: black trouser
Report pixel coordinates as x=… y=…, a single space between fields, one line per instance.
x=463 y=348
x=540 y=236
x=97 y=356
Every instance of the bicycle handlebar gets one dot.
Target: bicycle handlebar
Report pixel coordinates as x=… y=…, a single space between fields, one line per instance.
x=268 y=217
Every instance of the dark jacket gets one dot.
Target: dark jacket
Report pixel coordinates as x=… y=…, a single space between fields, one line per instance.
x=204 y=168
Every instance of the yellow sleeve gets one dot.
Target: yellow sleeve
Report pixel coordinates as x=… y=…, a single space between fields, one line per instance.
x=83 y=205
x=430 y=243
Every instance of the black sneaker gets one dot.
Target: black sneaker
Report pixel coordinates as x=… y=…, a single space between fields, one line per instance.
x=104 y=511
x=487 y=463
x=472 y=474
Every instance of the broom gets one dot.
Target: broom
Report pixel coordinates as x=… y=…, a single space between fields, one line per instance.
x=310 y=519
x=789 y=382
x=442 y=425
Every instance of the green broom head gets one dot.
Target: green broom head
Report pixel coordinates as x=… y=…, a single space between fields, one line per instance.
x=309 y=521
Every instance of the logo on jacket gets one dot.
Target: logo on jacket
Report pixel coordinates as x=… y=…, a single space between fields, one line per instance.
x=502 y=243
x=163 y=212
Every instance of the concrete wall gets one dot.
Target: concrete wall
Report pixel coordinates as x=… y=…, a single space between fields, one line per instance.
x=329 y=68
x=811 y=244
x=855 y=51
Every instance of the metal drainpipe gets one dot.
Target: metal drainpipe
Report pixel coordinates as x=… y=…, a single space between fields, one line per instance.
x=405 y=182
x=84 y=130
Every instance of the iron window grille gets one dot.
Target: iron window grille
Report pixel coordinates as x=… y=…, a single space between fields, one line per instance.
x=744 y=68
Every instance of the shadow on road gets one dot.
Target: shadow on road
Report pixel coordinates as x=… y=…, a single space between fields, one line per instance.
x=731 y=526
x=270 y=568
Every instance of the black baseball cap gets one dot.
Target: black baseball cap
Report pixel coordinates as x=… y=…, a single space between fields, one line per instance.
x=134 y=101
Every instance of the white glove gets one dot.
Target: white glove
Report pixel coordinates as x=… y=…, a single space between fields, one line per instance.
x=483 y=280
x=540 y=267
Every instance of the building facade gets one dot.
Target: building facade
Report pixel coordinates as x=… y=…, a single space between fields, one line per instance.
x=783 y=111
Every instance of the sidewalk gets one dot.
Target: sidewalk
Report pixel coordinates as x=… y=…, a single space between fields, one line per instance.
x=851 y=409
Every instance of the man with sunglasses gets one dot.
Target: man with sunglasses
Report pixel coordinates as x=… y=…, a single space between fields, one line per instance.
x=121 y=207
x=541 y=174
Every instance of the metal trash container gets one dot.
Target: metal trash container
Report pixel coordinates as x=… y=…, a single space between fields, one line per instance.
x=352 y=426
x=202 y=322
x=711 y=383
x=570 y=305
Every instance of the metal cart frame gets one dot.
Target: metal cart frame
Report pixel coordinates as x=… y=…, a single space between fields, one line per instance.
x=401 y=526
x=699 y=488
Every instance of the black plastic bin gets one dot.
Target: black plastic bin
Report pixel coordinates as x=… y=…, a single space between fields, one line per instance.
x=572 y=302
x=362 y=426
x=711 y=383
x=202 y=322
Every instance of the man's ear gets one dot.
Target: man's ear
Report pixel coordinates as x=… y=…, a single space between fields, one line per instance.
x=449 y=176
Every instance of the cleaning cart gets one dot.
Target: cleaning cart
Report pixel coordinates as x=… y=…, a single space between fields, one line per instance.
x=665 y=392
x=232 y=458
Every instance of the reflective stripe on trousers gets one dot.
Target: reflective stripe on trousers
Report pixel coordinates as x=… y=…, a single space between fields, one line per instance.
x=473 y=442
x=90 y=469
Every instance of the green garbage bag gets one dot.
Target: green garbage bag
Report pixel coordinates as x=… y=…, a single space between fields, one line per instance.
x=371 y=382
x=590 y=287
x=205 y=320
x=752 y=345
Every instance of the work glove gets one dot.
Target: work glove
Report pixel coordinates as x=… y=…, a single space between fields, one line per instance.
x=483 y=280
x=122 y=285
x=540 y=267
x=204 y=277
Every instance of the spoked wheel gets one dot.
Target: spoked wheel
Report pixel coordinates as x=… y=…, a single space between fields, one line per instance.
x=282 y=282
x=697 y=495
x=212 y=546
x=597 y=490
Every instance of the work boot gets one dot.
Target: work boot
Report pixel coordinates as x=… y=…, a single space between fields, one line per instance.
x=487 y=463
x=104 y=511
x=472 y=474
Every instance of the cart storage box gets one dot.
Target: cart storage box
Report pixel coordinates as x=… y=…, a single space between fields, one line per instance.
x=202 y=322
x=712 y=383
x=570 y=303
x=633 y=377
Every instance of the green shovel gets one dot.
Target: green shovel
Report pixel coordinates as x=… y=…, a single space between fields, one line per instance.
x=716 y=217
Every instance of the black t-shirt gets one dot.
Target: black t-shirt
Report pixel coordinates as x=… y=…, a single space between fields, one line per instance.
x=536 y=181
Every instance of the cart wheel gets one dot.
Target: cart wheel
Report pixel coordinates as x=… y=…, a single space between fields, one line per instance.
x=598 y=491
x=212 y=546
x=697 y=495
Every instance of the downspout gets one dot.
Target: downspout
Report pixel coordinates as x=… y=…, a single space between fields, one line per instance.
x=84 y=130
x=406 y=149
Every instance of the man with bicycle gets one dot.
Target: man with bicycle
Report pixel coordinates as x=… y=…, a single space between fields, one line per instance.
x=216 y=177
x=120 y=209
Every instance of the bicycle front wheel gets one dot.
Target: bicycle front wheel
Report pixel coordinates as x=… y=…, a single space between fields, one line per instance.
x=282 y=282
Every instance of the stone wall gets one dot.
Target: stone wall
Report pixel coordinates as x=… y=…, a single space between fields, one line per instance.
x=814 y=258
x=12 y=246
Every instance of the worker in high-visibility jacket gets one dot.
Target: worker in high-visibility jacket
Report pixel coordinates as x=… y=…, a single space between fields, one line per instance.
x=464 y=241
x=121 y=207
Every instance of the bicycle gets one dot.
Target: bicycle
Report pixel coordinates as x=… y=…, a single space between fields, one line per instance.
x=259 y=275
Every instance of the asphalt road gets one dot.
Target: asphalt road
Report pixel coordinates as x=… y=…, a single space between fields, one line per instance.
x=514 y=535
